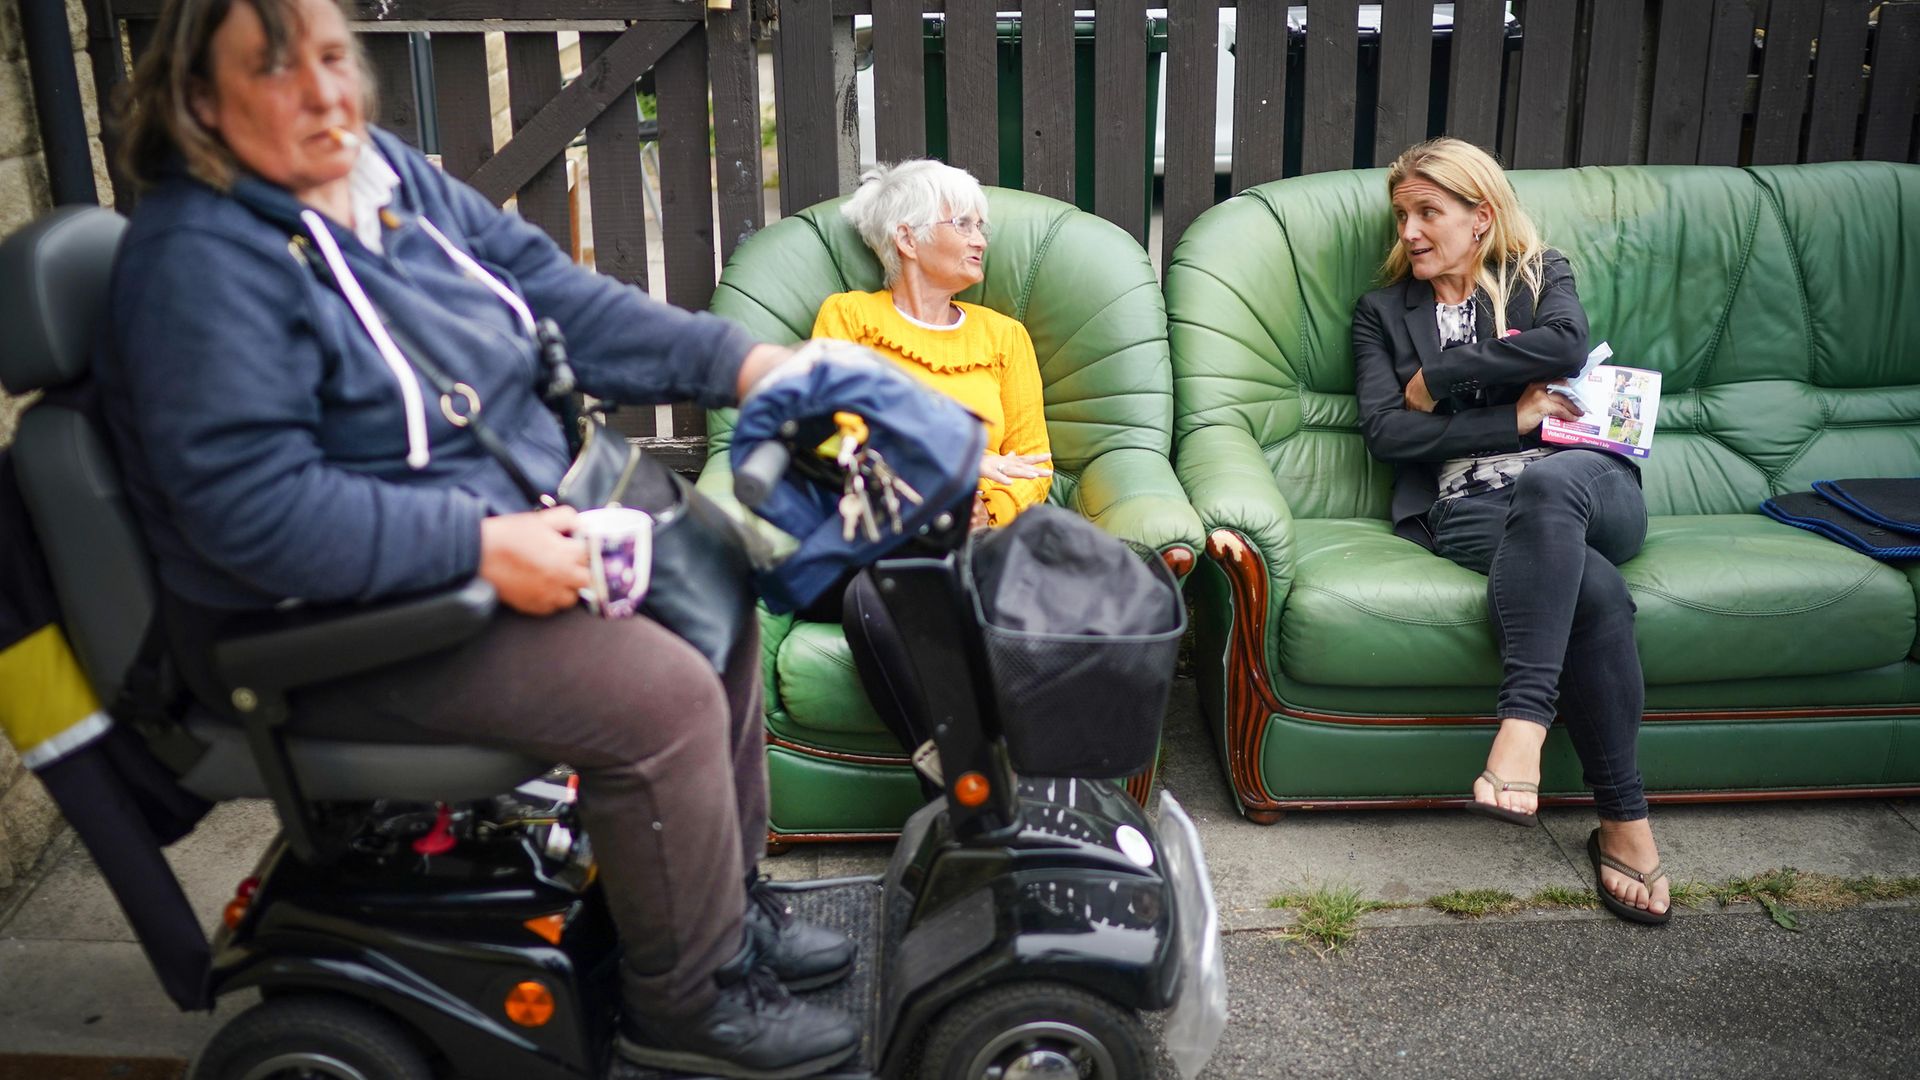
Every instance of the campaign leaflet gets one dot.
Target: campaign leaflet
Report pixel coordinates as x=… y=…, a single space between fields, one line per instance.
x=1621 y=404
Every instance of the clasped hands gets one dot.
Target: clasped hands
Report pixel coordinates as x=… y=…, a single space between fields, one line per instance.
x=1535 y=405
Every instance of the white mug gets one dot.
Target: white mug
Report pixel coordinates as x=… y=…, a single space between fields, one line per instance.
x=619 y=559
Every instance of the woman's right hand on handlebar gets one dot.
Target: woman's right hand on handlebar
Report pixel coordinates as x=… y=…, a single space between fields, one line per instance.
x=533 y=561
x=1537 y=403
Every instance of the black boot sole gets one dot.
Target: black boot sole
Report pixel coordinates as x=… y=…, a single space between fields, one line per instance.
x=816 y=982
x=688 y=1061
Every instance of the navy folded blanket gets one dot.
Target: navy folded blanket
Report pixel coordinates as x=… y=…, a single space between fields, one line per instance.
x=1891 y=503
x=1815 y=512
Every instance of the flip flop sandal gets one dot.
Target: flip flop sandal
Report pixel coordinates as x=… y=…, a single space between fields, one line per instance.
x=1615 y=904
x=1492 y=810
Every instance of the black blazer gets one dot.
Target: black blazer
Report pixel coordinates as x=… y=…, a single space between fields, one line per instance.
x=1476 y=386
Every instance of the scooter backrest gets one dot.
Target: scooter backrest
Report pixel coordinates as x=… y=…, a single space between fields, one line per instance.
x=54 y=278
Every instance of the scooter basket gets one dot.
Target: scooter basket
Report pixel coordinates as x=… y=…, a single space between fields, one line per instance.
x=1083 y=705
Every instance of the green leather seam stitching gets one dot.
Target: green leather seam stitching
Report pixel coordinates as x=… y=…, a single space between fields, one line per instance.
x=1033 y=266
x=1771 y=481
x=1711 y=610
x=1733 y=285
x=845 y=285
x=1799 y=275
x=1387 y=615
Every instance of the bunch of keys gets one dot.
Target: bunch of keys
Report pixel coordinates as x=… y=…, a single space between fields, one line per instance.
x=865 y=472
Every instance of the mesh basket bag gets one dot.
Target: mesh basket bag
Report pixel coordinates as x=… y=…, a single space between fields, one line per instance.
x=1081 y=634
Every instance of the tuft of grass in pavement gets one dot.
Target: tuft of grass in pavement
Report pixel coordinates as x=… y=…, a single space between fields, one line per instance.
x=1473 y=903
x=1328 y=916
x=1689 y=894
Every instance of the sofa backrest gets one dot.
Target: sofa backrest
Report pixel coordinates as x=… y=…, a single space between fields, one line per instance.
x=1775 y=302
x=1085 y=291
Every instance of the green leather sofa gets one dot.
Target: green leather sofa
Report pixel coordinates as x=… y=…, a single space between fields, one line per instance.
x=1089 y=298
x=1344 y=667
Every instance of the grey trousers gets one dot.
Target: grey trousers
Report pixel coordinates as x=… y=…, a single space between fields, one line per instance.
x=671 y=758
x=1549 y=545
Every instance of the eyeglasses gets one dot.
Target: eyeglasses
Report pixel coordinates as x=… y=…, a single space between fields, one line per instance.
x=967 y=223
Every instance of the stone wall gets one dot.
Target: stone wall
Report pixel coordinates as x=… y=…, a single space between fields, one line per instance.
x=27 y=816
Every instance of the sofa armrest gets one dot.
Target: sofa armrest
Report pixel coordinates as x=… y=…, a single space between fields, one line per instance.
x=1232 y=488
x=1133 y=494
x=716 y=483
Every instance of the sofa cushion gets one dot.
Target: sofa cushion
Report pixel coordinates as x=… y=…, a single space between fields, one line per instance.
x=1720 y=597
x=821 y=701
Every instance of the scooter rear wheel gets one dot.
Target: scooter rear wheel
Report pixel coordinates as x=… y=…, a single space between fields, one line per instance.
x=1028 y=1030
x=312 y=1037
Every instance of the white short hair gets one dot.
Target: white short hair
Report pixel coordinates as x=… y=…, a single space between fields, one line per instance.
x=916 y=194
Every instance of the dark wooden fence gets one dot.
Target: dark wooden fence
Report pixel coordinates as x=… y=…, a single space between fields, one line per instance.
x=1546 y=83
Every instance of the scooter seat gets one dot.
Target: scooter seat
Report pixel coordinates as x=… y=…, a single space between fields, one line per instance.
x=338 y=770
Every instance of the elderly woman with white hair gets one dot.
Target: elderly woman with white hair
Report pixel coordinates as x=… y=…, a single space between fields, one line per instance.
x=927 y=223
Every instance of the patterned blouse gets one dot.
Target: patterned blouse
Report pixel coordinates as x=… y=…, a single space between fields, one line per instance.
x=1488 y=472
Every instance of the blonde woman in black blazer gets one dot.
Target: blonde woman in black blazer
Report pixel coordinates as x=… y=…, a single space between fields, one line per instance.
x=1451 y=365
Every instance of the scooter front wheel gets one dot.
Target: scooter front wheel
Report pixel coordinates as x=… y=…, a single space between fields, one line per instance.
x=311 y=1037
x=1035 y=1029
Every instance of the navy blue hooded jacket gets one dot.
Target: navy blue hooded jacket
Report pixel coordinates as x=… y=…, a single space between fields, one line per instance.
x=263 y=437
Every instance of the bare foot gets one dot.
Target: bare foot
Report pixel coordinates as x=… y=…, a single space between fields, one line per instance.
x=1515 y=756
x=1631 y=842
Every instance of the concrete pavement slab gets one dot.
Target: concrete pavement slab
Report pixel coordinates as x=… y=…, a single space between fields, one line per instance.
x=71 y=903
x=97 y=998
x=1846 y=838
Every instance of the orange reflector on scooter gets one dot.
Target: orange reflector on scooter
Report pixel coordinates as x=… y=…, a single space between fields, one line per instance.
x=235 y=911
x=971 y=789
x=530 y=1004
x=549 y=927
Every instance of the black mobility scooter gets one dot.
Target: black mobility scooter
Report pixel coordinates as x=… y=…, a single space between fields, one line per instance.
x=432 y=911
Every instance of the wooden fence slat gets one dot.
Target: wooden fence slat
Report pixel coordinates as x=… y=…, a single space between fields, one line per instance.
x=1119 y=121
x=1259 y=94
x=733 y=67
x=973 y=88
x=1193 y=51
x=1612 y=95
x=1546 y=84
x=461 y=104
x=1406 y=65
x=1723 y=103
x=1834 y=118
x=686 y=197
x=533 y=79
x=391 y=58
x=616 y=182
x=1046 y=107
x=1895 y=92
x=899 y=83
x=1679 y=83
x=1791 y=26
x=559 y=116
x=804 y=103
x=1326 y=143
x=1473 y=84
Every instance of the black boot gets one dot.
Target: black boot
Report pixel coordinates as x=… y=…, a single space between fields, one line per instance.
x=804 y=956
x=754 y=1030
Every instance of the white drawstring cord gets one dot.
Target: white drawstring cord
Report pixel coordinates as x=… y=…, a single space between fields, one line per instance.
x=479 y=273
x=417 y=450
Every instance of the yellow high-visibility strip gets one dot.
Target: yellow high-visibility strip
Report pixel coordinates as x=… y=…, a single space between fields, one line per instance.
x=47 y=709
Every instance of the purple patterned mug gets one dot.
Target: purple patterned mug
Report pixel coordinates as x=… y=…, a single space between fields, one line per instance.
x=619 y=559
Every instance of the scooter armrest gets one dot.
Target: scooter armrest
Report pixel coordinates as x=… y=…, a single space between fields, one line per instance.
x=295 y=649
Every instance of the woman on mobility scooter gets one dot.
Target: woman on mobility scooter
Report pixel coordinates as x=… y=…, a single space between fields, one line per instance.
x=280 y=452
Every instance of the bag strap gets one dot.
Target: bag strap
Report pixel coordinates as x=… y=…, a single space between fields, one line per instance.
x=148 y=703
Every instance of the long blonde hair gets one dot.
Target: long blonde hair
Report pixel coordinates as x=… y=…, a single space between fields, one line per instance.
x=1510 y=250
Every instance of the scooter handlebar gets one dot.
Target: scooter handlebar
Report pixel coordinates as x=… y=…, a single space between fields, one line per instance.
x=755 y=477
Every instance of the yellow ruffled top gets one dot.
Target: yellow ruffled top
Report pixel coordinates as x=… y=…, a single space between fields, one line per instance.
x=984 y=361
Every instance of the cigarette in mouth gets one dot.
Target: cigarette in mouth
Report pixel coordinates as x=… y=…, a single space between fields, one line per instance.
x=344 y=139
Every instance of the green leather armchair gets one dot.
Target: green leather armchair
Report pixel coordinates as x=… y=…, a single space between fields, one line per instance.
x=1344 y=667
x=1089 y=298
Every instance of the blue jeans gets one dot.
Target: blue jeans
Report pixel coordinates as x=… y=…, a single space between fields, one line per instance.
x=1549 y=545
